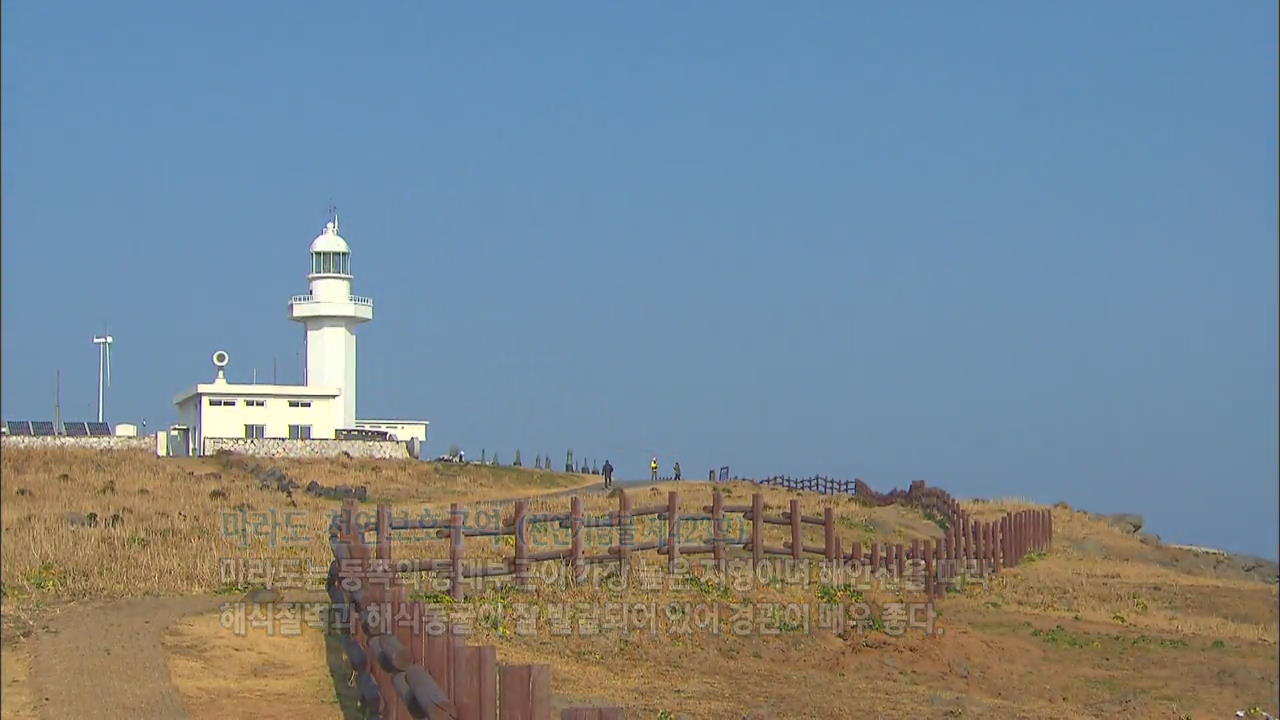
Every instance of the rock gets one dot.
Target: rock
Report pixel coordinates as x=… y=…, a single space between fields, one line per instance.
x=958 y=667
x=1149 y=538
x=1126 y=522
x=1061 y=505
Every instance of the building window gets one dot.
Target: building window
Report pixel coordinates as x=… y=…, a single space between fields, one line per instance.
x=218 y=402
x=255 y=403
x=255 y=432
x=299 y=403
x=299 y=432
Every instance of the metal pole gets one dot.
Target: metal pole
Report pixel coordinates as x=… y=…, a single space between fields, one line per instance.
x=100 y=356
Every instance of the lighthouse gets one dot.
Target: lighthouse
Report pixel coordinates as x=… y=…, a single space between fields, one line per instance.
x=304 y=419
x=330 y=314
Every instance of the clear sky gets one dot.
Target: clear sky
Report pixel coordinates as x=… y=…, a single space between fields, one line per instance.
x=1015 y=248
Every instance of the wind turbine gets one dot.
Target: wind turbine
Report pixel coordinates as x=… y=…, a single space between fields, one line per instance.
x=104 y=361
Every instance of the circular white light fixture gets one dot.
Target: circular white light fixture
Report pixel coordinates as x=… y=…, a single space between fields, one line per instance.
x=220 y=359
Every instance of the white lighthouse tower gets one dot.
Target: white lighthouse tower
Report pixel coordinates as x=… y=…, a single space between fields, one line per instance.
x=330 y=313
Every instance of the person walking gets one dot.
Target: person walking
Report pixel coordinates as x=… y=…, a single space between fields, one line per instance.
x=677 y=471
x=607 y=470
x=653 y=469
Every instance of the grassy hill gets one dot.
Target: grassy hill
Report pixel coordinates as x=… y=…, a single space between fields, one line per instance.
x=1108 y=624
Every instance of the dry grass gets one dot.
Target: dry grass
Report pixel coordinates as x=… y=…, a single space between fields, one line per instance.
x=222 y=675
x=170 y=539
x=1145 y=630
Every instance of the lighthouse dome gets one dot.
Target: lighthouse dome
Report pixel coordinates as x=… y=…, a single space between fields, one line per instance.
x=329 y=241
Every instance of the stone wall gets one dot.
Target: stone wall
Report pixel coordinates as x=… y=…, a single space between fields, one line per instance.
x=146 y=442
x=278 y=447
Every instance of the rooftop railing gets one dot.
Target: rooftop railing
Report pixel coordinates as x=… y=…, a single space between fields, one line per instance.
x=356 y=299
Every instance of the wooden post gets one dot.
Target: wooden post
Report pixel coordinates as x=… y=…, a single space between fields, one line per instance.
x=874 y=562
x=929 y=584
x=520 y=565
x=673 y=519
x=717 y=531
x=488 y=677
x=829 y=534
x=914 y=557
x=997 y=563
x=757 y=531
x=977 y=545
x=524 y=692
x=1049 y=545
x=626 y=535
x=466 y=682
x=797 y=539
x=455 y=553
x=899 y=566
x=383 y=549
x=1007 y=524
x=988 y=560
x=575 y=528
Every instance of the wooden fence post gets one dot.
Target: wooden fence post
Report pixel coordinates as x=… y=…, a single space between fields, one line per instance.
x=575 y=528
x=626 y=535
x=930 y=586
x=673 y=519
x=996 y=547
x=797 y=539
x=524 y=692
x=520 y=565
x=829 y=534
x=757 y=532
x=717 y=531
x=914 y=557
x=455 y=553
x=383 y=549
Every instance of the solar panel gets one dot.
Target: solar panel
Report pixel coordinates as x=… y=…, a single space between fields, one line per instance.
x=75 y=429
x=41 y=427
x=99 y=428
x=18 y=427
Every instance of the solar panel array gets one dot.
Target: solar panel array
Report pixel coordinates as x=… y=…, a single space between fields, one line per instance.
x=42 y=427
x=18 y=427
x=75 y=429
x=45 y=428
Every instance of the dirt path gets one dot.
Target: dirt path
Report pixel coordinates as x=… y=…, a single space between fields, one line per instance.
x=105 y=659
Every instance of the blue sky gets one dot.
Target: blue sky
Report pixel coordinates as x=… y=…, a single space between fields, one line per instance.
x=1008 y=248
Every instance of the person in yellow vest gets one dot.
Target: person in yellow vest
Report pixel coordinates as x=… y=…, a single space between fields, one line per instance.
x=653 y=469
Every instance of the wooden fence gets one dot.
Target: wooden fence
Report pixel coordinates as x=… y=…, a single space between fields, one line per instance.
x=406 y=672
x=408 y=661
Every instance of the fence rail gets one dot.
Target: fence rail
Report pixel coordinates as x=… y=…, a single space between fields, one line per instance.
x=407 y=672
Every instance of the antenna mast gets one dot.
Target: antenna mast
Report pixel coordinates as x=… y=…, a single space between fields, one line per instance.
x=57 y=403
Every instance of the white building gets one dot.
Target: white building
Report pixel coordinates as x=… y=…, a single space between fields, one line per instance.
x=324 y=406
